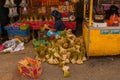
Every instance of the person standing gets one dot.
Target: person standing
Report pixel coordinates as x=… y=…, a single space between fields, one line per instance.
x=58 y=24
x=4 y=19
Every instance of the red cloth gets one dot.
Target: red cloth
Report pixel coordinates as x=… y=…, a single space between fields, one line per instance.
x=37 y=25
x=65 y=14
x=50 y=23
x=70 y=25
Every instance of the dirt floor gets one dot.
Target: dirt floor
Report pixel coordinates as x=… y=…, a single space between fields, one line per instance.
x=96 y=68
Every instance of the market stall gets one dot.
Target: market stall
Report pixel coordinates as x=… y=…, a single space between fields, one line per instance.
x=39 y=13
x=101 y=39
x=60 y=47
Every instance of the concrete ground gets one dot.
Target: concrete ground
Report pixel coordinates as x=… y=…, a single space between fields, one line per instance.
x=96 y=68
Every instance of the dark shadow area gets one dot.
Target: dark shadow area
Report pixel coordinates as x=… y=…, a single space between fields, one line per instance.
x=79 y=6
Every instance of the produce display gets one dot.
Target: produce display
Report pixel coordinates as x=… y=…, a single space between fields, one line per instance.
x=18 y=30
x=43 y=12
x=36 y=17
x=17 y=26
x=64 y=49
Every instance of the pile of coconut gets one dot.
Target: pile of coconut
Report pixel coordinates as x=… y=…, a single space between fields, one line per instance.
x=64 y=49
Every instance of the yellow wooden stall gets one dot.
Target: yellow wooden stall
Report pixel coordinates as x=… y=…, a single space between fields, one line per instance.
x=100 y=41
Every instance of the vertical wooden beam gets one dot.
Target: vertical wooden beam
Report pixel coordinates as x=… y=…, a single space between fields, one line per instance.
x=31 y=3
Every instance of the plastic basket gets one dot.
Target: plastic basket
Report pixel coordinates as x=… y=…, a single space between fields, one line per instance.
x=24 y=27
x=37 y=43
x=8 y=28
x=29 y=67
x=18 y=32
x=15 y=28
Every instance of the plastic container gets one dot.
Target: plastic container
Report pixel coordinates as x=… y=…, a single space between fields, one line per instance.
x=8 y=28
x=18 y=32
x=30 y=68
x=37 y=43
x=24 y=27
x=15 y=28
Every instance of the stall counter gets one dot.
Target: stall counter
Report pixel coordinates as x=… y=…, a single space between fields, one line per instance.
x=101 y=41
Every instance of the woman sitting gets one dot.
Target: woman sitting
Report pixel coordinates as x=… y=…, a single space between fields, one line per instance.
x=58 y=25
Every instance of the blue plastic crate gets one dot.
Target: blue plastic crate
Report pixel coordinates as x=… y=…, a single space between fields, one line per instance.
x=10 y=33
x=23 y=33
x=15 y=27
x=8 y=28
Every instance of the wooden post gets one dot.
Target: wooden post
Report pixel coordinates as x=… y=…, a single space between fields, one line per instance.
x=31 y=3
x=91 y=13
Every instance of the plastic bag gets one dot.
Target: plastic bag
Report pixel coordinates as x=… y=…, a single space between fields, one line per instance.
x=50 y=33
x=13 y=45
x=19 y=47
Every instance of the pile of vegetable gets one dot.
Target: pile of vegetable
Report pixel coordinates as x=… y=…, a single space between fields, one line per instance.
x=64 y=49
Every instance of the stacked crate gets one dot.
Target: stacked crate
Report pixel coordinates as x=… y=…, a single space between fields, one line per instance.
x=18 y=31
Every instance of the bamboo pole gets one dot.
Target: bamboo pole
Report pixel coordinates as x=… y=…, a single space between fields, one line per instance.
x=91 y=13
x=84 y=9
